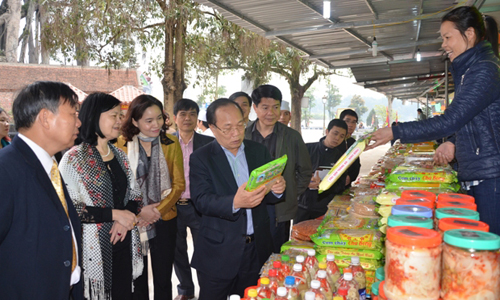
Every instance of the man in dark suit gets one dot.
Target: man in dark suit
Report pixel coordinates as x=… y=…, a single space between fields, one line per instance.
x=186 y=118
x=235 y=238
x=40 y=232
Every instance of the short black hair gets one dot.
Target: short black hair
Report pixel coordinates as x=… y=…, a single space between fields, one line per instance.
x=337 y=123
x=186 y=105
x=266 y=91
x=205 y=123
x=420 y=110
x=37 y=96
x=348 y=112
x=241 y=94
x=92 y=107
x=212 y=108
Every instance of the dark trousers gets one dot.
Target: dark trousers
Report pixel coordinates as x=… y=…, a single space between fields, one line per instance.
x=121 y=278
x=162 y=249
x=280 y=232
x=212 y=288
x=187 y=216
x=487 y=195
x=305 y=214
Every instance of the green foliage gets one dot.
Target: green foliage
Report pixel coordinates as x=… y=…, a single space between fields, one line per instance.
x=381 y=112
x=358 y=104
x=372 y=118
x=307 y=115
x=333 y=99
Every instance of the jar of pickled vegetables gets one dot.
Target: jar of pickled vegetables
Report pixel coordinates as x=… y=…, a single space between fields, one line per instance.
x=471 y=265
x=454 y=212
x=446 y=224
x=455 y=197
x=413 y=263
x=380 y=274
x=418 y=194
x=456 y=203
x=381 y=293
x=411 y=210
x=403 y=220
x=416 y=201
x=374 y=290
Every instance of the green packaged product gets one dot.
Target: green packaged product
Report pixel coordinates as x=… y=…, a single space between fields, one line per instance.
x=266 y=174
x=406 y=173
x=349 y=238
x=346 y=252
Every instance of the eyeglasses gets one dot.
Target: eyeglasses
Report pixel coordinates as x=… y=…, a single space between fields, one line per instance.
x=239 y=128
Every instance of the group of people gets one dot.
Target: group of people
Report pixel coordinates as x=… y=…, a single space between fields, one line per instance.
x=82 y=229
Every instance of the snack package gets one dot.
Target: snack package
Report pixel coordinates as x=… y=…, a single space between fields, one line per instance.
x=266 y=174
x=407 y=173
x=345 y=252
x=348 y=222
x=349 y=238
x=303 y=230
x=344 y=262
x=427 y=186
x=385 y=210
x=300 y=246
x=364 y=206
x=268 y=265
x=362 y=190
x=387 y=198
x=344 y=162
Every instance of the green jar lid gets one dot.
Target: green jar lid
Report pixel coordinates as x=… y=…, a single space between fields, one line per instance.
x=380 y=274
x=402 y=220
x=375 y=287
x=285 y=257
x=472 y=239
x=456 y=212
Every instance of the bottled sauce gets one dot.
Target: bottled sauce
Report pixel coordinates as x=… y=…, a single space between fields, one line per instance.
x=311 y=262
x=413 y=263
x=359 y=276
x=471 y=265
x=292 y=293
x=299 y=259
x=252 y=294
x=279 y=273
x=280 y=294
x=264 y=291
x=325 y=287
x=300 y=278
x=332 y=270
x=234 y=297
x=322 y=267
x=273 y=280
x=315 y=291
x=349 y=288
x=286 y=268
x=341 y=278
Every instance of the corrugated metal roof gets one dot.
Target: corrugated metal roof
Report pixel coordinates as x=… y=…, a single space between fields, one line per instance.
x=402 y=27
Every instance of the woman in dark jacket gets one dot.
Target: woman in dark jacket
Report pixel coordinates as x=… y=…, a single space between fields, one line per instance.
x=473 y=118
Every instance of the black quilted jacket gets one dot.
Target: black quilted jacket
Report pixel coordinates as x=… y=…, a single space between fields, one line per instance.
x=473 y=116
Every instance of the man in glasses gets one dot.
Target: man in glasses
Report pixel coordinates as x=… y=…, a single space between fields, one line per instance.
x=351 y=118
x=234 y=239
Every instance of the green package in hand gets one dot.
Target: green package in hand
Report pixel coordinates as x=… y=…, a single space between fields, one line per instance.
x=266 y=174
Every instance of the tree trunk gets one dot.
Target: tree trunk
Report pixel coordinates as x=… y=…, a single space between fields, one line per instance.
x=297 y=91
x=43 y=22
x=12 y=30
x=180 y=56
x=168 y=68
x=27 y=32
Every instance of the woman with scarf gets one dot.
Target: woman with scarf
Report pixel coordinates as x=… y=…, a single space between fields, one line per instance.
x=156 y=160
x=105 y=194
x=4 y=128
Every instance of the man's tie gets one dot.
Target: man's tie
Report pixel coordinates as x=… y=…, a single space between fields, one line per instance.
x=55 y=177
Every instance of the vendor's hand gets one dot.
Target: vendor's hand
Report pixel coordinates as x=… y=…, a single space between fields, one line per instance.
x=118 y=233
x=315 y=181
x=149 y=214
x=444 y=153
x=381 y=137
x=279 y=186
x=246 y=199
x=125 y=218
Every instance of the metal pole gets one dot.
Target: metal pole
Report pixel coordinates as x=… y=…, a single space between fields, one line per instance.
x=427 y=105
x=446 y=83
x=324 y=113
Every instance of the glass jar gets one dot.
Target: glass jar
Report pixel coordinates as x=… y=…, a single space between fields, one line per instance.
x=419 y=194
x=413 y=263
x=416 y=201
x=454 y=212
x=403 y=220
x=458 y=204
x=446 y=224
x=455 y=197
x=411 y=210
x=471 y=265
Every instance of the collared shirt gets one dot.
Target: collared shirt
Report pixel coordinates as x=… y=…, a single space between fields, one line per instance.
x=47 y=162
x=239 y=167
x=187 y=150
x=208 y=132
x=269 y=141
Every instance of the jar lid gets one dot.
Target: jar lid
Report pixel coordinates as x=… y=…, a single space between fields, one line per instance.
x=404 y=220
x=416 y=201
x=412 y=210
x=381 y=291
x=446 y=224
x=414 y=236
x=472 y=239
x=375 y=287
x=455 y=196
x=457 y=212
x=419 y=194
x=456 y=203
x=380 y=273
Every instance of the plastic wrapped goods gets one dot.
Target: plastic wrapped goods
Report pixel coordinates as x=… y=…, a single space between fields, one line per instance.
x=303 y=230
x=387 y=198
x=434 y=187
x=363 y=206
x=413 y=263
x=349 y=238
x=349 y=221
x=405 y=173
x=471 y=265
x=347 y=253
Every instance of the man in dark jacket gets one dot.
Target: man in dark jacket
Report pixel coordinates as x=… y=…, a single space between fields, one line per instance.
x=280 y=140
x=323 y=154
x=351 y=118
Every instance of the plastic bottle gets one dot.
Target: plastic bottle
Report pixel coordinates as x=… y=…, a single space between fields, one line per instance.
x=299 y=259
x=300 y=278
x=279 y=273
x=332 y=270
x=341 y=278
x=234 y=297
x=273 y=280
x=252 y=294
x=326 y=288
x=351 y=286
x=358 y=273
x=313 y=296
x=316 y=291
x=322 y=267
x=338 y=298
x=280 y=294
x=292 y=293
x=264 y=291
x=311 y=262
x=342 y=293
x=286 y=268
